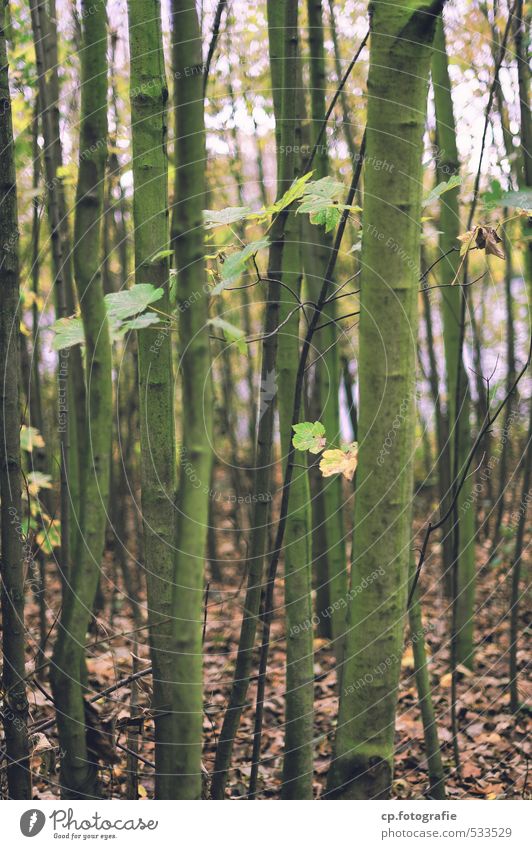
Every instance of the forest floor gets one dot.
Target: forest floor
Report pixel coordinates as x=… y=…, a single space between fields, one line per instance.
x=494 y=744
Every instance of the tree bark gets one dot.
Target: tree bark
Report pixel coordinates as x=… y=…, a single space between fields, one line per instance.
x=330 y=501
x=458 y=409
x=15 y=702
x=148 y=96
x=195 y=454
x=263 y=453
x=400 y=53
x=78 y=766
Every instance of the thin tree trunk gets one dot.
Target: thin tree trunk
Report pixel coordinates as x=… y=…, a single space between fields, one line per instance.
x=401 y=39
x=522 y=27
x=458 y=409
x=78 y=772
x=39 y=455
x=298 y=752
x=15 y=703
x=516 y=568
x=70 y=372
x=263 y=453
x=442 y=439
x=426 y=705
x=511 y=372
x=148 y=94
x=347 y=125
x=195 y=455
x=298 y=755
x=327 y=368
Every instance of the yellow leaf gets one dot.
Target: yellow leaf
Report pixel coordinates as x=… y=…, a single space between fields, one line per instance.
x=143 y=793
x=407 y=661
x=467 y=240
x=30 y=438
x=334 y=461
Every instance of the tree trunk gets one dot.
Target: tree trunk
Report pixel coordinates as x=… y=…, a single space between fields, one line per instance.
x=327 y=368
x=15 y=703
x=195 y=456
x=148 y=94
x=397 y=93
x=426 y=705
x=297 y=764
x=263 y=452
x=458 y=408
x=78 y=770
x=521 y=28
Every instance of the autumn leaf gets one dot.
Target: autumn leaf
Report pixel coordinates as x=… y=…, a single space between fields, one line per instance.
x=30 y=438
x=488 y=239
x=467 y=240
x=38 y=480
x=340 y=461
x=484 y=238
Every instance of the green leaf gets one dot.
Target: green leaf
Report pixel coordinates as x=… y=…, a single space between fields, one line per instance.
x=142 y=321
x=296 y=190
x=161 y=255
x=138 y=323
x=68 y=332
x=309 y=436
x=330 y=216
x=327 y=188
x=321 y=201
x=234 y=264
x=132 y=301
x=223 y=217
x=492 y=198
x=30 y=438
x=231 y=333
x=441 y=188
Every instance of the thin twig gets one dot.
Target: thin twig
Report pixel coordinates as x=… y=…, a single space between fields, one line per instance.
x=212 y=46
x=489 y=422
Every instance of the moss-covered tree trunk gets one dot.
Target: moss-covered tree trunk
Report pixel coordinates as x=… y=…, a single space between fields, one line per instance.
x=457 y=379
x=400 y=55
x=148 y=94
x=328 y=512
x=522 y=28
x=195 y=457
x=265 y=433
x=78 y=770
x=297 y=764
x=44 y=26
x=424 y=692
x=14 y=701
